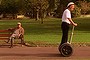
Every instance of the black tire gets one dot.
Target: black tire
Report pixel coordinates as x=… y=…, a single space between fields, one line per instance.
x=66 y=50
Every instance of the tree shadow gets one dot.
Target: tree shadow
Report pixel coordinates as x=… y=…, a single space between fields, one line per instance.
x=32 y=55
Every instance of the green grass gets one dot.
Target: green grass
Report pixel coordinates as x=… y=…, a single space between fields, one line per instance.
x=50 y=31
x=82 y=32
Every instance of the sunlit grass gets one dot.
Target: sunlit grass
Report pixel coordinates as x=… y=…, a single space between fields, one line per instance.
x=50 y=30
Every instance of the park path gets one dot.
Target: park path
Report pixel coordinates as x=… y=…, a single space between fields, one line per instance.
x=42 y=53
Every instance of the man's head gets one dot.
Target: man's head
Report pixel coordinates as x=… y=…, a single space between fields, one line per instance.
x=18 y=24
x=71 y=6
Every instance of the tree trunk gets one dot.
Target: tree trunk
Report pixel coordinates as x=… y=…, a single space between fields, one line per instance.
x=41 y=17
x=37 y=15
x=13 y=16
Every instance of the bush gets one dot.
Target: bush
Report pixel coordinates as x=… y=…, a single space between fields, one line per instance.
x=76 y=12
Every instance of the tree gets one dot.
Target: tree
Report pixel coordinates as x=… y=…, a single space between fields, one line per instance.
x=21 y=6
x=52 y=6
x=43 y=5
x=37 y=8
x=84 y=6
x=10 y=7
x=61 y=7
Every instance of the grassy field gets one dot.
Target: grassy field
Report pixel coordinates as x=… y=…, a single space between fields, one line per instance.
x=50 y=31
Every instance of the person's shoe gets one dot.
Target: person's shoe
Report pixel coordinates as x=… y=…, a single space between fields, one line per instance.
x=27 y=44
x=6 y=41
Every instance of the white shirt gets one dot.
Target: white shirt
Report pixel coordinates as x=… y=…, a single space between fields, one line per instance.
x=66 y=14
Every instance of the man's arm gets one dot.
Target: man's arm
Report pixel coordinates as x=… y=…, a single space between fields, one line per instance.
x=21 y=31
x=11 y=29
x=72 y=22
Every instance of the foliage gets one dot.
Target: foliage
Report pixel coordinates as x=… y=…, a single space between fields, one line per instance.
x=84 y=6
x=41 y=8
x=61 y=7
x=9 y=6
x=53 y=4
x=36 y=7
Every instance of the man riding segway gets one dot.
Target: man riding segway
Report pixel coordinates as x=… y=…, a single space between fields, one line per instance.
x=66 y=21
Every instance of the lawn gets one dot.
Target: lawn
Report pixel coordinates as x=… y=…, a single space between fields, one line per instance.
x=50 y=31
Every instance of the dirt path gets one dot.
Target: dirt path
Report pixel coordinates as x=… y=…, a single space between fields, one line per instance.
x=42 y=53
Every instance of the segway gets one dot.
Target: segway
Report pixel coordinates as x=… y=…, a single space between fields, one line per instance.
x=66 y=49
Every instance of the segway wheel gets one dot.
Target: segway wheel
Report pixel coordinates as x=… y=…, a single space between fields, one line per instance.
x=66 y=50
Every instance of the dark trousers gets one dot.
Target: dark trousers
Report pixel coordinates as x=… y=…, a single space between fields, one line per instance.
x=65 y=29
